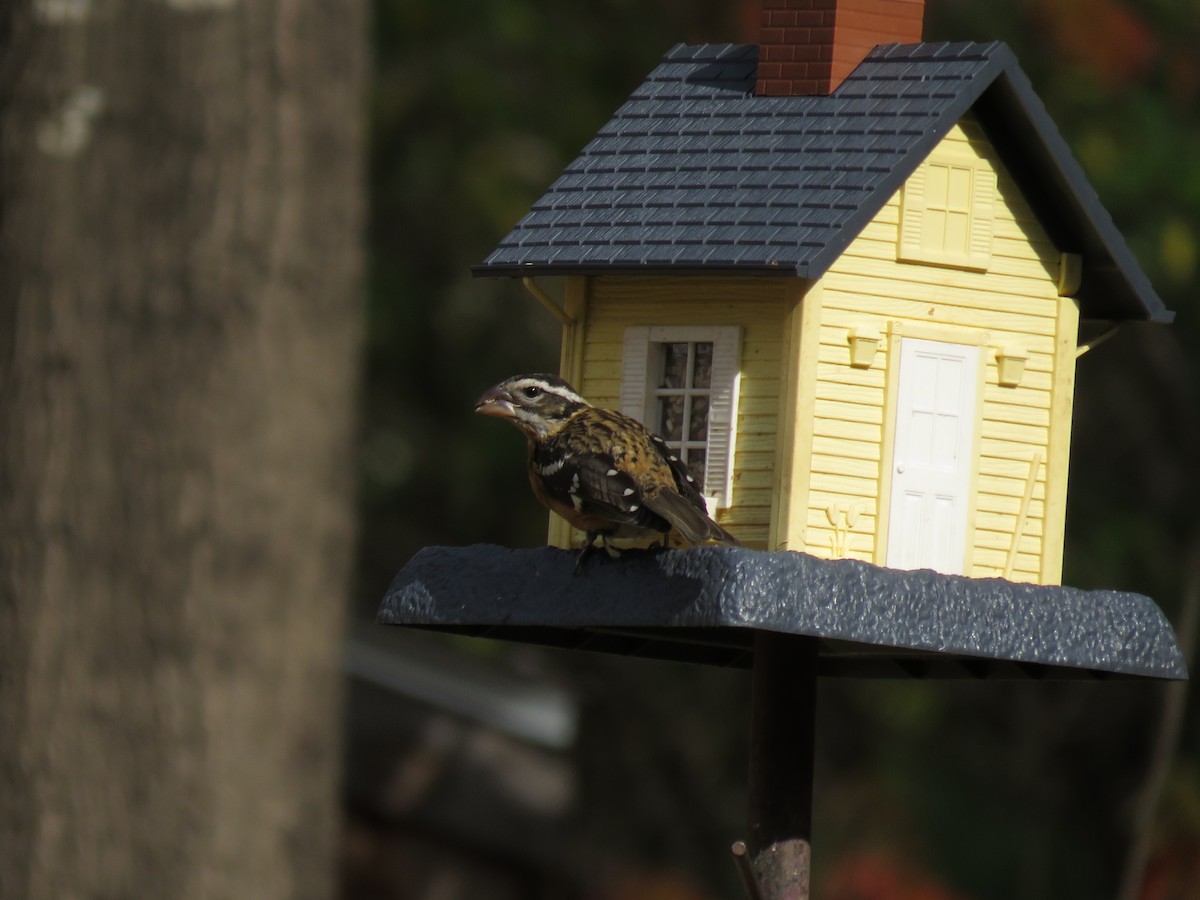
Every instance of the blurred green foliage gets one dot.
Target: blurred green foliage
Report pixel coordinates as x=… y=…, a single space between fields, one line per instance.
x=476 y=107
x=999 y=790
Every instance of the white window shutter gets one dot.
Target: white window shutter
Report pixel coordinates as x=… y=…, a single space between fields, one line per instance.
x=722 y=414
x=635 y=372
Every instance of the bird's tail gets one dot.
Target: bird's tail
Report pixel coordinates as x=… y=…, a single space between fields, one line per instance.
x=691 y=521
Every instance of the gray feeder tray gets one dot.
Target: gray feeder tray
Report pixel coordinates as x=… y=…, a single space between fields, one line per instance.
x=705 y=605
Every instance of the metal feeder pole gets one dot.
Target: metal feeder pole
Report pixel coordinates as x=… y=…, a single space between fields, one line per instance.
x=782 y=733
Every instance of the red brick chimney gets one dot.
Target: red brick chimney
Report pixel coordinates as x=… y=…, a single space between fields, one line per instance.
x=809 y=46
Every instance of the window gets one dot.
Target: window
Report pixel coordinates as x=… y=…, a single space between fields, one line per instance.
x=946 y=213
x=682 y=382
x=681 y=396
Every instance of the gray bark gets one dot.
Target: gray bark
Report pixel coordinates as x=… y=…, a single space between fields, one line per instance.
x=180 y=207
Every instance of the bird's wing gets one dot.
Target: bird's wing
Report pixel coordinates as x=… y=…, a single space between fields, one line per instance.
x=686 y=510
x=684 y=482
x=595 y=487
x=616 y=469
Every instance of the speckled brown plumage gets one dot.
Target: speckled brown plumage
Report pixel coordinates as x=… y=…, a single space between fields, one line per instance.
x=599 y=469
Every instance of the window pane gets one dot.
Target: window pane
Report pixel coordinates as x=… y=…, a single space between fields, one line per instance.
x=695 y=462
x=703 y=374
x=670 y=417
x=674 y=365
x=958 y=190
x=698 y=425
x=958 y=233
x=937 y=186
x=933 y=234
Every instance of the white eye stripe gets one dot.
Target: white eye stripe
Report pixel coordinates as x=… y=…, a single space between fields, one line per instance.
x=546 y=387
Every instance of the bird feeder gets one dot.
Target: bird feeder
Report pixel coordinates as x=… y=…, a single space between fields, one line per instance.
x=832 y=232
x=791 y=618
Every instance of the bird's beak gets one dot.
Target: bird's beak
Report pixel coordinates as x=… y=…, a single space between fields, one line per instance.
x=496 y=402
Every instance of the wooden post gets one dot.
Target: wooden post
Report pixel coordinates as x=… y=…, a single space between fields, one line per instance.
x=781 y=764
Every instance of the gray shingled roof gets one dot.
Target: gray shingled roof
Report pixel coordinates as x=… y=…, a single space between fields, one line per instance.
x=694 y=174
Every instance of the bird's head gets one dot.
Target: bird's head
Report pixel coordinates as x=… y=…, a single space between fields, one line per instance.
x=537 y=404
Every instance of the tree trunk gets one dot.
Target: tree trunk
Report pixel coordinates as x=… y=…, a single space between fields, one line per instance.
x=180 y=206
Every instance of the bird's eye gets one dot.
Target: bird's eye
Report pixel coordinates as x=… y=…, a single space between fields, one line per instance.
x=531 y=391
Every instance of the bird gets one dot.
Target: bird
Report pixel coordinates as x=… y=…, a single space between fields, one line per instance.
x=601 y=470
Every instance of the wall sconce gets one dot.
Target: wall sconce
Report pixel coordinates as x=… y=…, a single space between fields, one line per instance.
x=1011 y=366
x=863 y=345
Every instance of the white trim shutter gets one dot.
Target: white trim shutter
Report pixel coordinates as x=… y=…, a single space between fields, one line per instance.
x=635 y=373
x=639 y=357
x=722 y=414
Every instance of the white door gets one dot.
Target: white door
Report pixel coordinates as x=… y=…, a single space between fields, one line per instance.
x=931 y=461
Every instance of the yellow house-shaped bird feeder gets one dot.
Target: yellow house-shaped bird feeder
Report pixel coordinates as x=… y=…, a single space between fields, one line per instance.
x=852 y=300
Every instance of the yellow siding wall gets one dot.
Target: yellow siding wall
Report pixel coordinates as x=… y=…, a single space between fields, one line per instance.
x=1016 y=303
x=614 y=303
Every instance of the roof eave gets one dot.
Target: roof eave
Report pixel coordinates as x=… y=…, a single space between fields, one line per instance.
x=1016 y=122
x=1114 y=286
x=530 y=270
